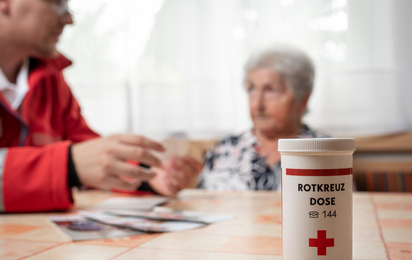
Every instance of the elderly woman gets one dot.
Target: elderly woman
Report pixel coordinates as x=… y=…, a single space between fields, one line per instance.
x=278 y=83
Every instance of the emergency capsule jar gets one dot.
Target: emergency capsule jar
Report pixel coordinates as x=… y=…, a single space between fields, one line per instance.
x=317 y=198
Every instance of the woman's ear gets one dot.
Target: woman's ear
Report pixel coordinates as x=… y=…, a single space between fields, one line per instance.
x=303 y=105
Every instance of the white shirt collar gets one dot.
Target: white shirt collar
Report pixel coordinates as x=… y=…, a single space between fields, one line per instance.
x=15 y=93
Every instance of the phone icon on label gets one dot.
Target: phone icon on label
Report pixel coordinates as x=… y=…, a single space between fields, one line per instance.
x=313 y=214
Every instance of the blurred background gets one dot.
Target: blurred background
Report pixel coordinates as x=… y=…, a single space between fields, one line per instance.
x=166 y=68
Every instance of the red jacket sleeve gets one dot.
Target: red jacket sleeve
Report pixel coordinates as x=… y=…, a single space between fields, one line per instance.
x=39 y=178
x=34 y=177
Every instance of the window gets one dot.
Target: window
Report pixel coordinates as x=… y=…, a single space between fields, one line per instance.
x=175 y=66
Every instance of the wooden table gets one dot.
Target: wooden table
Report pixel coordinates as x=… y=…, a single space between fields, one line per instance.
x=382 y=230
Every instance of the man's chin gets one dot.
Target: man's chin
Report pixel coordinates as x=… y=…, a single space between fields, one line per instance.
x=46 y=53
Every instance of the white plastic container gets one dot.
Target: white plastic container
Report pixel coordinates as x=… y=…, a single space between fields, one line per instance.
x=317 y=198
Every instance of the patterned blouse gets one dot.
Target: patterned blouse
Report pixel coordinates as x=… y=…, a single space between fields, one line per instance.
x=235 y=164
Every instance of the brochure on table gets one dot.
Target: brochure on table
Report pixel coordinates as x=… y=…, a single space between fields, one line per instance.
x=142 y=224
x=163 y=213
x=78 y=227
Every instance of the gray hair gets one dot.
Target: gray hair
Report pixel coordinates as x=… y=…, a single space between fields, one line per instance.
x=292 y=64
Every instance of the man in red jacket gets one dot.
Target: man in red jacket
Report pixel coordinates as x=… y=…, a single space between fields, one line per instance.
x=46 y=147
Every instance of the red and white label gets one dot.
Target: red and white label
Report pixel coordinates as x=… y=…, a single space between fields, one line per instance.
x=317 y=214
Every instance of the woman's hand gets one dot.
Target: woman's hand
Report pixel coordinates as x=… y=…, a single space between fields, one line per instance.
x=175 y=175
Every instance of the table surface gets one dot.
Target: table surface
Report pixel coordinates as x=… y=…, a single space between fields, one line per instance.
x=382 y=230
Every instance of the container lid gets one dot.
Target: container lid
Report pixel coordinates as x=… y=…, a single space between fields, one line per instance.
x=316 y=144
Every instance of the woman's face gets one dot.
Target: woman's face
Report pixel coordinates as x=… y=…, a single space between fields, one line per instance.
x=272 y=105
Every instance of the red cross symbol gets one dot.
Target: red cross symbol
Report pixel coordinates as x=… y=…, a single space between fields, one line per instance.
x=321 y=242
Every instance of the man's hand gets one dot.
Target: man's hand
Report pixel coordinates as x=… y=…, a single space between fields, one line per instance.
x=101 y=163
x=175 y=175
